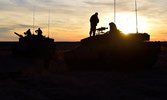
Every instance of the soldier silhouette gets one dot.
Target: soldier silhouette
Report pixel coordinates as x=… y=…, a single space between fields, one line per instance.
x=93 y=23
x=28 y=33
x=39 y=32
x=113 y=28
x=114 y=32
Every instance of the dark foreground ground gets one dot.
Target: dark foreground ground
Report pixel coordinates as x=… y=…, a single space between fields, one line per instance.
x=22 y=78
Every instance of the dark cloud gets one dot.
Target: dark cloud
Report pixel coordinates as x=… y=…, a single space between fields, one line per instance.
x=5 y=29
x=19 y=1
x=121 y=6
x=11 y=28
x=24 y=26
x=98 y=3
x=150 y=8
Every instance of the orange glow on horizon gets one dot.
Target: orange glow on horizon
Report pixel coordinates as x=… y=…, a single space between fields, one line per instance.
x=75 y=30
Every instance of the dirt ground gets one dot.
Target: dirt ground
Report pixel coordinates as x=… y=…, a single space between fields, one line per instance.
x=22 y=78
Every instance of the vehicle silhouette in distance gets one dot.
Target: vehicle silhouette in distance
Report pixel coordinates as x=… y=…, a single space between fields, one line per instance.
x=35 y=46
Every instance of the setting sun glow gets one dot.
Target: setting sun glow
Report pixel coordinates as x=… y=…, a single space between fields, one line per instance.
x=127 y=23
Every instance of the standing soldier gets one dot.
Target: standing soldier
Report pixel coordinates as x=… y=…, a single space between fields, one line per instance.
x=93 y=23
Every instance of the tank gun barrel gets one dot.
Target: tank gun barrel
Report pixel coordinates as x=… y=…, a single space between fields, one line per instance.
x=21 y=36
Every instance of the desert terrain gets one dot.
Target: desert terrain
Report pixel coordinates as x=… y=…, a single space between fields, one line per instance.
x=23 y=78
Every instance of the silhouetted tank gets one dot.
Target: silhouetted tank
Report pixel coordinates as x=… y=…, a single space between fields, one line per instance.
x=35 y=46
x=114 y=51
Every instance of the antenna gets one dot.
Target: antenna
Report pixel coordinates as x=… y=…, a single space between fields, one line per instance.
x=33 y=18
x=114 y=11
x=136 y=17
x=48 y=23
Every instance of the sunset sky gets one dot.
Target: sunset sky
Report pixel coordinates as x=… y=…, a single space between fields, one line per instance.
x=69 y=19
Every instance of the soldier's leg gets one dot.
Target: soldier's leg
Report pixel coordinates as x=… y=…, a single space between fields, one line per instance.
x=90 y=33
x=91 y=30
x=94 y=30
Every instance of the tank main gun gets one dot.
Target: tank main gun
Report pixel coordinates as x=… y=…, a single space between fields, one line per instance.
x=21 y=36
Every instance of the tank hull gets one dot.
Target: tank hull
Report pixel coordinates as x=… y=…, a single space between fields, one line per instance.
x=107 y=54
x=35 y=47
